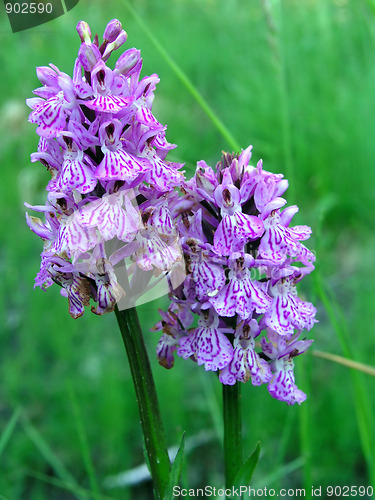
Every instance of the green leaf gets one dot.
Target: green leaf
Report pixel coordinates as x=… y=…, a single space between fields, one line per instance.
x=175 y=474
x=8 y=431
x=245 y=474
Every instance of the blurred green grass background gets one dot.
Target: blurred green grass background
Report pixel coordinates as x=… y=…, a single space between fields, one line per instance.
x=295 y=78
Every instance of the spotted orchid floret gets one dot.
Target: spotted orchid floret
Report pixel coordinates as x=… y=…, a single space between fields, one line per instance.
x=117 y=163
x=246 y=363
x=287 y=310
x=243 y=262
x=113 y=215
x=242 y=295
x=107 y=212
x=207 y=344
x=159 y=246
x=282 y=353
x=174 y=324
x=55 y=103
x=76 y=169
x=205 y=266
x=279 y=239
x=235 y=227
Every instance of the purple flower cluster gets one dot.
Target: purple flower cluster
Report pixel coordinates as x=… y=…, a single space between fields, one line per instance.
x=110 y=180
x=223 y=241
x=243 y=261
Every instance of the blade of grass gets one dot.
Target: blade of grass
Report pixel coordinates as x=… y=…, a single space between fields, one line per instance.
x=84 y=444
x=286 y=434
x=185 y=80
x=49 y=456
x=279 y=474
x=65 y=486
x=9 y=429
x=350 y=363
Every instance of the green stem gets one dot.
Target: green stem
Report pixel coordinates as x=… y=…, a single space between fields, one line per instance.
x=232 y=432
x=153 y=432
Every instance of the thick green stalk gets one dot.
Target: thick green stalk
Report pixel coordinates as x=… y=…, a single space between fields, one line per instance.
x=232 y=432
x=153 y=432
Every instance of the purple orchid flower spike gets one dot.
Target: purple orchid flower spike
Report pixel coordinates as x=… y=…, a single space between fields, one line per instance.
x=243 y=262
x=107 y=218
x=114 y=226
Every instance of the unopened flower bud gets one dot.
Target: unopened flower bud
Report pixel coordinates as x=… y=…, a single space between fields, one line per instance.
x=120 y=40
x=281 y=187
x=88 y=55
x=84 y=31
x=205 y=178
x=235 y=169
x=127 y=61
x=46 y=75
x=112 y=30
